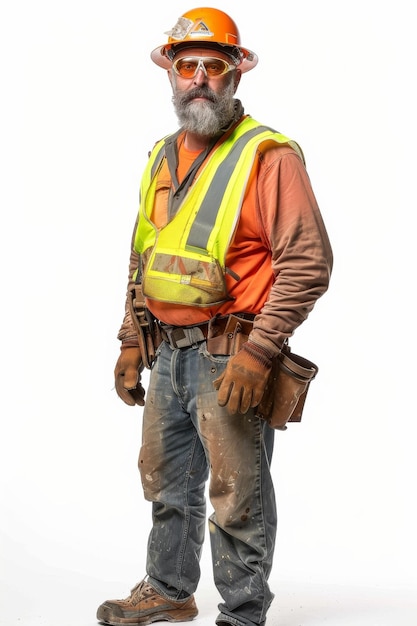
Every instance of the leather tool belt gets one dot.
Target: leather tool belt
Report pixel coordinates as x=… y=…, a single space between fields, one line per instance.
x=224 y=335
x=286 y=390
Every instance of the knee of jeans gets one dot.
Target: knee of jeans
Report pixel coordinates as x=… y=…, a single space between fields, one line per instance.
x=150 y=477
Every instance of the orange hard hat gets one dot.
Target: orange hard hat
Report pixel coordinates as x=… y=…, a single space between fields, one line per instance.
x=205 y=26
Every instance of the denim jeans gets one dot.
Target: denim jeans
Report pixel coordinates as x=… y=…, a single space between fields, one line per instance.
x=187 y=439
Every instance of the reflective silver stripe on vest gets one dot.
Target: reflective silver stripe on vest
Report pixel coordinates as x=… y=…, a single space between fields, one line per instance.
x=206 y=217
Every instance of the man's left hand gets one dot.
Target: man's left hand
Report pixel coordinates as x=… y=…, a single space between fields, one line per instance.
x=243 y=382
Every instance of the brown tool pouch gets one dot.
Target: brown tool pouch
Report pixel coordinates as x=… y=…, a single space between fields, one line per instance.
x=226 y=335
x=149 y=334
x=286 y=390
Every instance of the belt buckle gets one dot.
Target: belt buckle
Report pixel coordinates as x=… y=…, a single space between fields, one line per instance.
x=179 y=337
x=176 y=337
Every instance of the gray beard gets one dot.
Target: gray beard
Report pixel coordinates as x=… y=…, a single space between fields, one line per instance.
x=205 y=118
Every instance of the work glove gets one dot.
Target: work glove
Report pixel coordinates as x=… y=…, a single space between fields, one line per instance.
x=242 y=384
x=127 y=375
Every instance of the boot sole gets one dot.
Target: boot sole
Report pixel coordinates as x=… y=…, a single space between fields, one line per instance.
x=148 y=619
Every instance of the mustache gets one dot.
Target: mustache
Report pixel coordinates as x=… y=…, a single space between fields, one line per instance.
x=198 y=92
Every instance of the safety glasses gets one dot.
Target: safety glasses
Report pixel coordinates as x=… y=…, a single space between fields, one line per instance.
x=187 y=67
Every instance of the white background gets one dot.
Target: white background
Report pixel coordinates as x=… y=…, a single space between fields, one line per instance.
x=81 y=105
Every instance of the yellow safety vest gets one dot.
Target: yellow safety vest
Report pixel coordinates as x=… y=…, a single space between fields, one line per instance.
x=184 y=262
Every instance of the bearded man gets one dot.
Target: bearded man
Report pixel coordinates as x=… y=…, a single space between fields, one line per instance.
x=229 y=244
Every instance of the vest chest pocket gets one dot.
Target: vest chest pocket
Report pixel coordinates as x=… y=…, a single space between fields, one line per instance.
x=196 y=280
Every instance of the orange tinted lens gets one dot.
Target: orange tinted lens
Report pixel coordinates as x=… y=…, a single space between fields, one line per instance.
x=215 y=67
x=186 y=67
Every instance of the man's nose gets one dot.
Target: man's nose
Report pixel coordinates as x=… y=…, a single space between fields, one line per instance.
x=200 y=78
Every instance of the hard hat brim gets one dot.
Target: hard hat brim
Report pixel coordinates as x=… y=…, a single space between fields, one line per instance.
x=158 y=56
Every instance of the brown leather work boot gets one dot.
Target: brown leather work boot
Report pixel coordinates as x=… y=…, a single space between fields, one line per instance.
x=144 y=606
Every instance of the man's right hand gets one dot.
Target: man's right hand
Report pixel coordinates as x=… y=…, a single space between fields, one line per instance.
x=127 y=376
